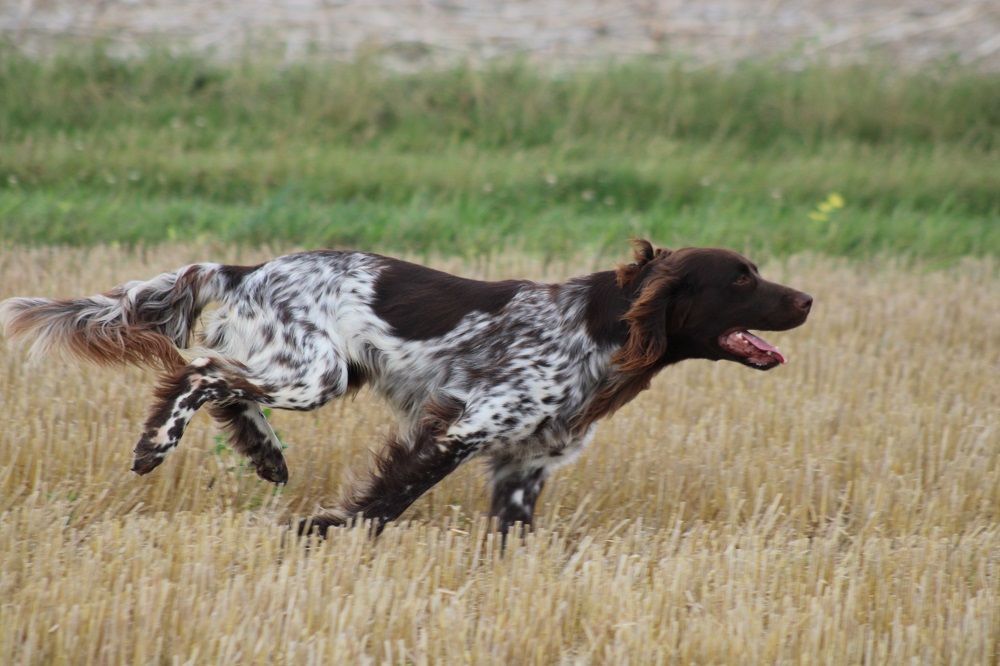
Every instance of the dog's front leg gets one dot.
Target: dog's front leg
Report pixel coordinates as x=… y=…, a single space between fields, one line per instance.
x=515 y=491
x=402 y=474
x=448 y=435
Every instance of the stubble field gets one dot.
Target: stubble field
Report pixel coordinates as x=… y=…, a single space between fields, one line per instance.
x=841 y=509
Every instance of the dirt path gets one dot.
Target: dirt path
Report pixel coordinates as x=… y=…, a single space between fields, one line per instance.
x=416 y=33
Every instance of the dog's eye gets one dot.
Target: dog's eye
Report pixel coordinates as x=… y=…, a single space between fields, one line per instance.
x=743 y=280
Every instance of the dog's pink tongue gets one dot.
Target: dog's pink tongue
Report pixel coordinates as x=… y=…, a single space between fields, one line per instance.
x=763 y=346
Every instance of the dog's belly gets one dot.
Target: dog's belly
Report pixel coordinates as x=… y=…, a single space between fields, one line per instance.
x=552 y=444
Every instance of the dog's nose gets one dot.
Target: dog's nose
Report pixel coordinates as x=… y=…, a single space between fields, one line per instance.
x=804 y=302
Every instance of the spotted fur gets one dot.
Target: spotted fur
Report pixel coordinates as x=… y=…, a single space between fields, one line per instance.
x=517 y=372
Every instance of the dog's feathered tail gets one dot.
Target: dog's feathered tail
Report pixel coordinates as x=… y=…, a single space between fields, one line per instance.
x=138 y=323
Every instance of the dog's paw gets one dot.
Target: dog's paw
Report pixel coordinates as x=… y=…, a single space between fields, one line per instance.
x=272 y=468
x=147 y=457
x=319 y=526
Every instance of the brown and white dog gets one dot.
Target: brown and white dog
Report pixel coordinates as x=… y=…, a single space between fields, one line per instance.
x=515 y=371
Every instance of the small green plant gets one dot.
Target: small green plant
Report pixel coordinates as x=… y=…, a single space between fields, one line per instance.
x=220 y=445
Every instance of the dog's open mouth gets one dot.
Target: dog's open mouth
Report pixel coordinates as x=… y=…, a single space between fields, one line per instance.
x=750 y=349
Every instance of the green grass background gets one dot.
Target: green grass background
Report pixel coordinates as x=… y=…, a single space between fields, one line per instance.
x=469 y=161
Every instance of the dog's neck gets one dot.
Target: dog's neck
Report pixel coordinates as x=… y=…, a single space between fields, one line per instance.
x=606 y=303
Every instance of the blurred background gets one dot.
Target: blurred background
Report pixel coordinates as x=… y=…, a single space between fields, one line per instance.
x=411 y=33
x=848 y=128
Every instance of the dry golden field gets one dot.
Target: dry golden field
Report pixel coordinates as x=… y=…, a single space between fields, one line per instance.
x=844 y=508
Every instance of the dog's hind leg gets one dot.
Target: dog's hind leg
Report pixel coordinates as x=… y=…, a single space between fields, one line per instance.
x=251 y=435
x=178 y=398
x=234 y=389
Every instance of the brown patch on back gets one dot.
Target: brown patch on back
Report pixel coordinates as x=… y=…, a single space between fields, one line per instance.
x=234 y=275
x=421 y=303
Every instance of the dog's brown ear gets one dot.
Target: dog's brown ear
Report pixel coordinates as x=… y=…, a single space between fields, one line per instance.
x=642 y=250
x=643 y=253
x=647 y=323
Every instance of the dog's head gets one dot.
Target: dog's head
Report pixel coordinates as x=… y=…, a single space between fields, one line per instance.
x=702 y=303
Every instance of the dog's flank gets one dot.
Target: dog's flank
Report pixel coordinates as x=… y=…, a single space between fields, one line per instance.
x=516 y=372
